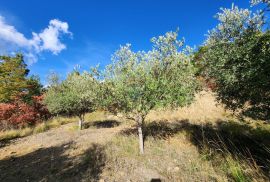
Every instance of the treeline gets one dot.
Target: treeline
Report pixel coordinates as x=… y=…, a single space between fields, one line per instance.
x=20 y=95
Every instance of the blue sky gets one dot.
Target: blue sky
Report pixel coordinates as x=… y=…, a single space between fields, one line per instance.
x=96 y=28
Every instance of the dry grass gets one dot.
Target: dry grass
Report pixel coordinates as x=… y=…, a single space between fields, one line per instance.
x=47 y=125
x=187 y=152
x=167 y=160
x=240 y=149
x=204 y=110
x=239 y=159
x=52 y=123
x=202 y=142
x=228 y=149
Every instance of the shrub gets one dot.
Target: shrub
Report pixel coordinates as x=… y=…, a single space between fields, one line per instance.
x=19 y=114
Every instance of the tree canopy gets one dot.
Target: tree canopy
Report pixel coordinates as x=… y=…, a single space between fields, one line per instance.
x=14 y=80
x=76 y=95
x=238 y=59
x=162 y=77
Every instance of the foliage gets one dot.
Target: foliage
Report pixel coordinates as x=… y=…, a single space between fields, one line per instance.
x=13 y=74
x=137 y=82
x=20 y=96
x=255 y=2
x=53 y=79
x=19 y=114
x=162 y=77
x=238 y=61
x=34 y=88
x=14 y=80
x=234 y=24
x=74 y=96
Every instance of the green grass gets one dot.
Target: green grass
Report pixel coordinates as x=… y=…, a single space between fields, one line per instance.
x=236 y=170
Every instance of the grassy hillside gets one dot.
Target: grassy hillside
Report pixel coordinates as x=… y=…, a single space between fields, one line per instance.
x=202 y=142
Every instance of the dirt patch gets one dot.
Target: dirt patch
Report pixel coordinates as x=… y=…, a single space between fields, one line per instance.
x=61 y=154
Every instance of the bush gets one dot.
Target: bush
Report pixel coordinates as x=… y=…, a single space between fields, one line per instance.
x=19 y=114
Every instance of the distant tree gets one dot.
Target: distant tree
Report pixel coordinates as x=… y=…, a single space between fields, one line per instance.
x=238 y=59
x=201 y=65
x=74 y=96
x=53 y=79
x=13 y=72
x=14 y=80
x=20 y=95
x=136 y=83
x=33 y=88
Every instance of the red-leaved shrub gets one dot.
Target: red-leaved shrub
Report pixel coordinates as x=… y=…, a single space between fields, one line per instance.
x=20 y=114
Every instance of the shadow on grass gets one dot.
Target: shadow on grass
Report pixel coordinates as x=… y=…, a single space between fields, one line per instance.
x=52 y=164
x=4 y=142
x=102 y=124
x=240 y=140
x=261 y=112
x=155 y=180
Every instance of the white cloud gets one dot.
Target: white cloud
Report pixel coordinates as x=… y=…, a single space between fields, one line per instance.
x=47 y=40
x=10 y=34
x=31 y=58
x=49 y=37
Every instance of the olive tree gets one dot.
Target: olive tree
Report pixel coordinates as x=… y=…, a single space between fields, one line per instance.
x=137 y=82
x=74 y=96
x=255 y=2
x=238 y=60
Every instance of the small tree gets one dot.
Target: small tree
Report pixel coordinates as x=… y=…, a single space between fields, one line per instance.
x=74 y=96
x=136 y=83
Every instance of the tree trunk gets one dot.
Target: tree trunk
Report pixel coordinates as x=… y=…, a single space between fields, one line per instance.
x=80 y=123
x=81 y=118
x=140 y=122
x=141 y=140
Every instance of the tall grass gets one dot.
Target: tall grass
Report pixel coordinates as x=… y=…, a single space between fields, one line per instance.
x=204 y=110
x=170 y=160
x=237 y=167
x=239 y=147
